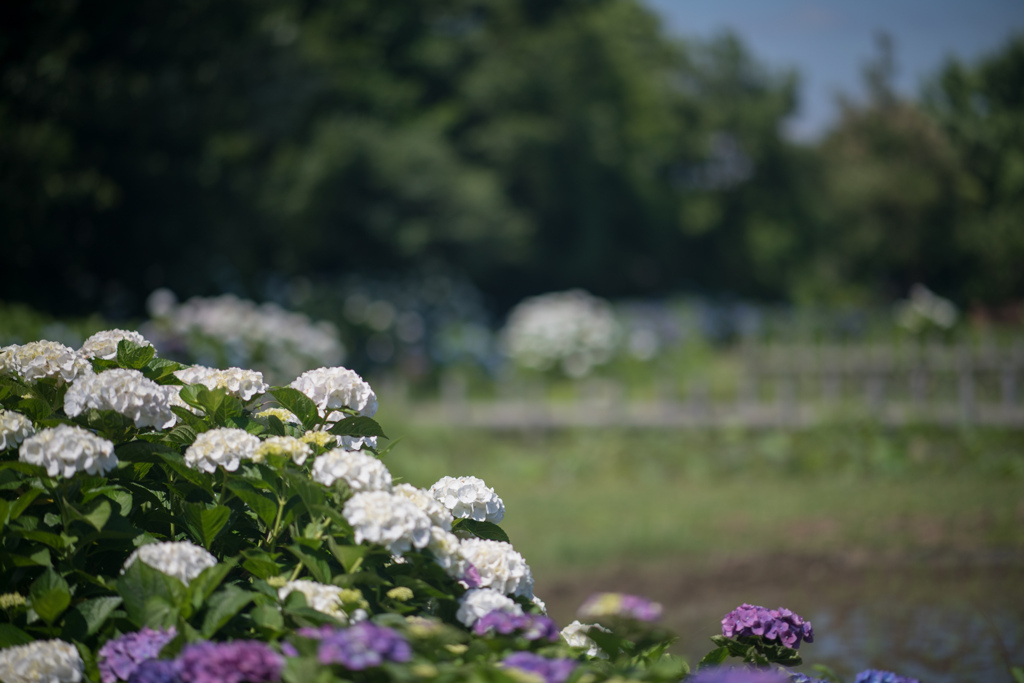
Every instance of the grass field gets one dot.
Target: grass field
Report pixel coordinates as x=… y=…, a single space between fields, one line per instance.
x=589 y=498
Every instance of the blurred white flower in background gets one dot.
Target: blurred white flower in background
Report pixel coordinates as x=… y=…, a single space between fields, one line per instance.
x=925 y=309
x=478 y=602
x=42 y=661
x=229 y=331
x=572 y=330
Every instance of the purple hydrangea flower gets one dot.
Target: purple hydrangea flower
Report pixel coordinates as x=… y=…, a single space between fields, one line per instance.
x=119 y=657
x=530 y=626
x=363 y=646
x=876 y=676
x=471 y=576
x=551 y=670
x=601 y=605
x=156 y=671
x=721 y=674
x=780 y=624
x=804 y=678
x=241 y=660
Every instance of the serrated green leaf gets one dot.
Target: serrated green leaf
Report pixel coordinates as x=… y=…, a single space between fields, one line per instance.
x=96 y=514
x=150 y=596
x=181 y=436
x=262 y=504
x=311 y=493
x=275 y=426
x=201 y=587
x=350 y=556
x=486 y=530
x=358 y=425
x=222 y=607
x=161 y=370
x=247 y=424
x=34 y=408
x=205 y=523
x=133 y=356
x=191 y=419
x=11 y=635
x=313 y=561
x=49 y=596
x=96 y=611
x=713 y=658
x=299 y=404
x=260 y=563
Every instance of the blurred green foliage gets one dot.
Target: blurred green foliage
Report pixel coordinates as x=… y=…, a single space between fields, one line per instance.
x=533 y=145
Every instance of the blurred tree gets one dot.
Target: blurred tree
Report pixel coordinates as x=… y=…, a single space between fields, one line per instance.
x=890 y=177
x=980 y=109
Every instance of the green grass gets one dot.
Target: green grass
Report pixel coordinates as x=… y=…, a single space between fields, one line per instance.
x=590 y=498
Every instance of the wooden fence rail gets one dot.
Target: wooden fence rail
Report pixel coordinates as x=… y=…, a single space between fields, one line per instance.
x=788 y=386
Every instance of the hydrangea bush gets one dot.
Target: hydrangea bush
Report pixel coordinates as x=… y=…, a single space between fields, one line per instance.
x=173 y=524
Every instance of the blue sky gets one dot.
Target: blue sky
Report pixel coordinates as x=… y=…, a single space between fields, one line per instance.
x=828 y=41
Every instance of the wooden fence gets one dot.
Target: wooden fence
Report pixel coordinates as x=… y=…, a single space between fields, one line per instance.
x=781 y=386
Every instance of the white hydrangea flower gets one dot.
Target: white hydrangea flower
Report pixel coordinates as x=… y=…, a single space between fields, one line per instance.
x=575 y=635
x=14 y=428
x=500 y=566
x=439 y=514
x=42 y=661
x=469 y=497
x=180 y=559
x=66 y=449
x=362 y=472
x=296 y=449
x=322 y=439
x=242 y=384
x=44 y=360
x=104 y=344
x=281 y=414
x=387 y=519
x=572 y=329
x=334 y=388
x=540 y=604
x=320 y=596
x=444 y=546
x=224 y=447
x=478 y=602
x=124 y=391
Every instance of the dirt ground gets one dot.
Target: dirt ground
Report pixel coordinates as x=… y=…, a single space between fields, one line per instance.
x=940 y=616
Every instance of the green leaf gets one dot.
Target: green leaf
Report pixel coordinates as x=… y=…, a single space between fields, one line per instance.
x=358 y=425
x=96 y=514
x=23 y=501
x=133 y=356
x=181 y=436
x=311 y=493
x=223 y=606
x=205 y=523
x=268 y=617
x=161 y=370
x=189 y=418
x=713 y=658
x=350 y=556
x=34 y=408
x=260 y=563
x=263 y=505
x=313 y=561
x=275 y=426
x=387 y=449
x=55 y=541
x=249 y=425
x=95 y=612
x=298 y=403
x=49 y=596
x=486 y=530
x=151 y=598
x=208 y=581
x=11 y=635
x=190 y=395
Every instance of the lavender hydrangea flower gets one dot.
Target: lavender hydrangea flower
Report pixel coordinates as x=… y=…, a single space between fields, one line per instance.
x=623 y=605
x=780 y=624
x=156 y=671
x=721 y=674
x=804 y=678
x=363 y=646
x=240 y=660
x=120 y=657
x=550 y=670
x=529 y=626
x=876 y=676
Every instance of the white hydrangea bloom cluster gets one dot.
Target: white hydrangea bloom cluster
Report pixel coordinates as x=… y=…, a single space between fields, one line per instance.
x=289 y=446
x=65 y=450
x=320 y=596
x=469 y=497
x=104 y=344
x=478 y=602
x=224 y=447
x=124 y=391
x=575 y=635
x=242 y=384
x=180 y=559
x=362 y=472
x=281 y=414
x=387 y=519
x=321 y=439
x=332 y=389
x=41 y=661
x=43 y=360
x=573 y=330
x=444 y=546
x=438 y=513
x=14 y=428
x=500 y=566
x=278 y=341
